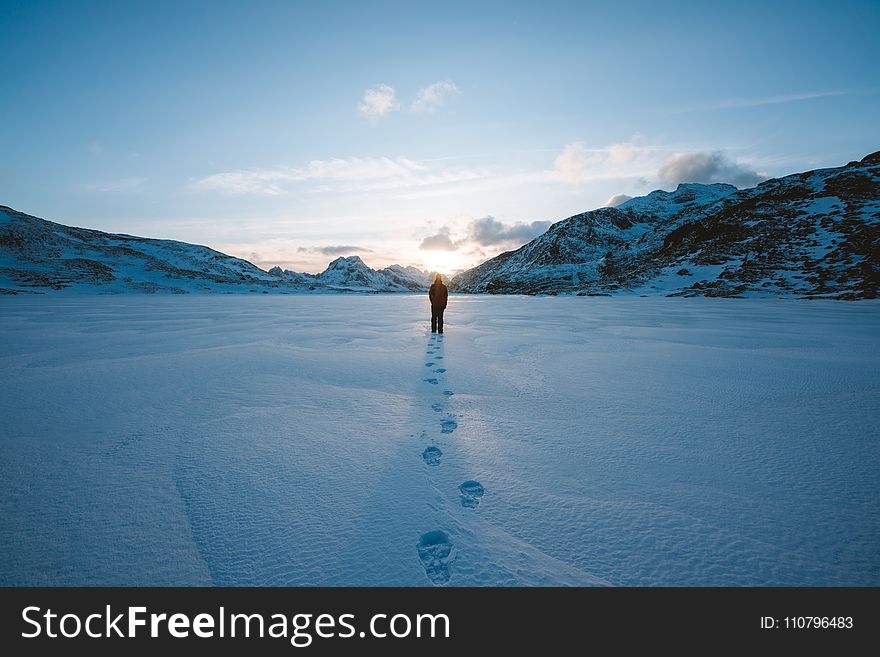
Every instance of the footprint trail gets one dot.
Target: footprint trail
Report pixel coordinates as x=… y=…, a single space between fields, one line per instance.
x=435 y=549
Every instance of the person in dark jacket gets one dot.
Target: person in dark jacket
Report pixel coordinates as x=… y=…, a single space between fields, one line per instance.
x=439 y=295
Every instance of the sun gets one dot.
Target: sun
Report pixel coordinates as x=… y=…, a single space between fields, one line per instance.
x=443 y=262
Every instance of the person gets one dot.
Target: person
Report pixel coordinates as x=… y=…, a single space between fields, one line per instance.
x=439 y=295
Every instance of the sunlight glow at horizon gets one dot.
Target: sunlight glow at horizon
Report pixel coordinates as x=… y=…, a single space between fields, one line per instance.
x=443 y=262
x=290 y=133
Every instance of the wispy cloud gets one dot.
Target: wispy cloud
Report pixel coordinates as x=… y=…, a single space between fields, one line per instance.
x=572 y=161
x=336 y=174
x=577 y=163
x=432 y=97
x=263 y=182
x=377 y=102
x=95 y=148
x=735 y=103
x=333 y=250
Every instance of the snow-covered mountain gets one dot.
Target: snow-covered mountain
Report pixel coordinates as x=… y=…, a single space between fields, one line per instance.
x=352 y=273
x=39 y=256
x=409 y=277
x=808 y=234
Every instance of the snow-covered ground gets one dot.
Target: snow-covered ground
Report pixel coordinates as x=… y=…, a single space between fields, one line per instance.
x=288 y=440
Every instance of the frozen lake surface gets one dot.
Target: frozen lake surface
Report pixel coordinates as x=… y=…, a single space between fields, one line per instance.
x=331 y=440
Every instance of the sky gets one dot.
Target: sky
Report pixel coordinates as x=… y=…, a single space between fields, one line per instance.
x=434 y=134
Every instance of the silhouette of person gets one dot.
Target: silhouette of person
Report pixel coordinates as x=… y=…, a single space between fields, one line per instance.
x=439 y=295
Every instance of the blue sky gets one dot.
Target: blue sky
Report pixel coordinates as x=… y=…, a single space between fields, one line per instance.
x=434 y=134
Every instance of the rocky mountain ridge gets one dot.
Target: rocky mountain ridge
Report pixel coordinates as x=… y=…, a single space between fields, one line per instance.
x=813 y=234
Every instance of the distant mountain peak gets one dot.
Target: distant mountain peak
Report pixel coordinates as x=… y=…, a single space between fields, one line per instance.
x=343 y=262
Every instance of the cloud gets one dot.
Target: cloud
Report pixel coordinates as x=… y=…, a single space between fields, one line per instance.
x=735 y=103
x=377 y=102
x=95 y=148
x=333 y=250
x=265 y=182
x=577 y=163
x=357 y=174
x=440 y=241
x=358 y=168
x=432 y=97
x=625 y=152
x=572 y=161
x=484 y=232
x=616 y=200
x=489 y=231
x=707 y=168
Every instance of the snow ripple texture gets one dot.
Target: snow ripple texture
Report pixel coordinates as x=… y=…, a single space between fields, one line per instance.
x=279 y=441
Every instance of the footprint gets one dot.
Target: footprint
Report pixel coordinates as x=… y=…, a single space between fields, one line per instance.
x=436 y=554
x=428 y=364
x=432 y=455
x=440 y=370
x=433 y=382
x=448 y=393
x=471 y=492
x=437 y=407
x=448 y=425
x=438 y=357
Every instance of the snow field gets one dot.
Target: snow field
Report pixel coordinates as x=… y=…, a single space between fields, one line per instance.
x=332 y=440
